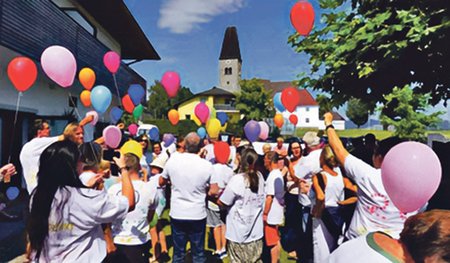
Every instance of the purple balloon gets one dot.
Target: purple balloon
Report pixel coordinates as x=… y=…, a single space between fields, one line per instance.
x=222 y=117
x=168 y=139
x=136 y=93
x=154 y=134
x=252 y=130
x=112 y=136
x=115 y=114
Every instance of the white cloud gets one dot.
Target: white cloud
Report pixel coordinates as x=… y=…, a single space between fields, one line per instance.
x=181 y=16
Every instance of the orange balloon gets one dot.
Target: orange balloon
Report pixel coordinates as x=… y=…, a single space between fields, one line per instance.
x=87 y=78
x=279 y=120
x=128 y=104
x=174 y=116
x=85 y=98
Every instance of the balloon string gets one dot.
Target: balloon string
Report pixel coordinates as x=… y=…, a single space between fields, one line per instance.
x=117 y=89
x=75 y=105
x=14 y=125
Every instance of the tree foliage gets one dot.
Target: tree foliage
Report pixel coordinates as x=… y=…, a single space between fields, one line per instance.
x=325 y=104
x=160 y=104
x=254 y=101
x=377 y=45
x=357 y=111
x=405 y=110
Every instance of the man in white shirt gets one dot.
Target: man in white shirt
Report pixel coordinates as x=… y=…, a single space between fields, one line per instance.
x=190 y=176
x=374 y=209
x=307 y=167
x=274 y=208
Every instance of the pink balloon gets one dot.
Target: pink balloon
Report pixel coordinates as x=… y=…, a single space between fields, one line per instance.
x=133 y=129
x=171 y=83
x=202 y=112
x=112 y=61
x=59 y=64
x=411 y=174
x=264 y=130
x=112 y=136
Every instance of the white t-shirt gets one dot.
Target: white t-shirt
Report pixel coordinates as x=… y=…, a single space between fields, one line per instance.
x=160 y=192
x=275 y=187
x=189 y=175
x=78 y=236
x=210 y=157
x=374 y=210
x=29 y=158
x=305 y=169
x=361 y=249
x=244 y=218
x=134 y=230
x=221 y=174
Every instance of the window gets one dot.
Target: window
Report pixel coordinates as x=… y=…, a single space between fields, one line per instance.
x=75 y=15
x=307 y=108
x=203 y=100
x=188 y=116
x=228 y=71
x=307 y=120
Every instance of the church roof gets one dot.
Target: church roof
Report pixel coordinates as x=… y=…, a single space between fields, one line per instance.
x=306 y=99
x=216 y=91
x=230 y=45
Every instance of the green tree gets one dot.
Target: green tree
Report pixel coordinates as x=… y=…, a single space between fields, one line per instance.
x=404 y=109
x=160 y=104
x=373 y=46
x=357 y=111
x=325 y=104
x=254 y=101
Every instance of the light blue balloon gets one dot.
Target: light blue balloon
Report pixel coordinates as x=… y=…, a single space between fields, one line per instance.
x=277 y=102
x=201 y=132
x=101 y=98
x=12 y=193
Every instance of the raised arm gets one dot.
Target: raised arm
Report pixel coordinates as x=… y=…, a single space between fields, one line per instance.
x=127 y=186
x=333 y=139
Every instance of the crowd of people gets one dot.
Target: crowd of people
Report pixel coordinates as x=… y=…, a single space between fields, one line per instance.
x=313 y=199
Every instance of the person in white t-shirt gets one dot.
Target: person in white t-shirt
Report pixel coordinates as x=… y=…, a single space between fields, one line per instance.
x=215 y=217
x=244 y=197
x=65 y=219
x=374 y=209
x=31 y=151
x=132 y=237
x=424 y=238
x=274 y=206
x=190 y=177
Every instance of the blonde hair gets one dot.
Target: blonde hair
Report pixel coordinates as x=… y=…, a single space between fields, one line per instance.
x=328 y=157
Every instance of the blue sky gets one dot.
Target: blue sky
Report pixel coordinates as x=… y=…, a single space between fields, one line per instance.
x=188 y=35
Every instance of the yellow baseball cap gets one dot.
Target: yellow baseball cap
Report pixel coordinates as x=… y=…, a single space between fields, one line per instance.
x=133 y=147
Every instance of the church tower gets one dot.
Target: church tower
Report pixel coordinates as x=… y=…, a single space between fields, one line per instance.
x=230 y=62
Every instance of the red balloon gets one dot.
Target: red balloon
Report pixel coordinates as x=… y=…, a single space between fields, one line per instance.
x=128 y=104
x=293 y=119
x=22 y=72
x=222 y=152
x=290 y=98
x=302 y=18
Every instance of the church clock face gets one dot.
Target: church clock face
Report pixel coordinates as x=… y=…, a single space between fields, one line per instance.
x=228 y=62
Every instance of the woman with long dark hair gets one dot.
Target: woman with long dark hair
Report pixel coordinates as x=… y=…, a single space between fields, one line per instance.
x=244 y=196
x=64 y=224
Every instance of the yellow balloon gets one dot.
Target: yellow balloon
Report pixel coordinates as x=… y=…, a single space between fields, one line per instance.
x=132 y=147
x=213 y=127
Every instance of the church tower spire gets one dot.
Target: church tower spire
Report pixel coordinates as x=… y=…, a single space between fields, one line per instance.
x=230 y=61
